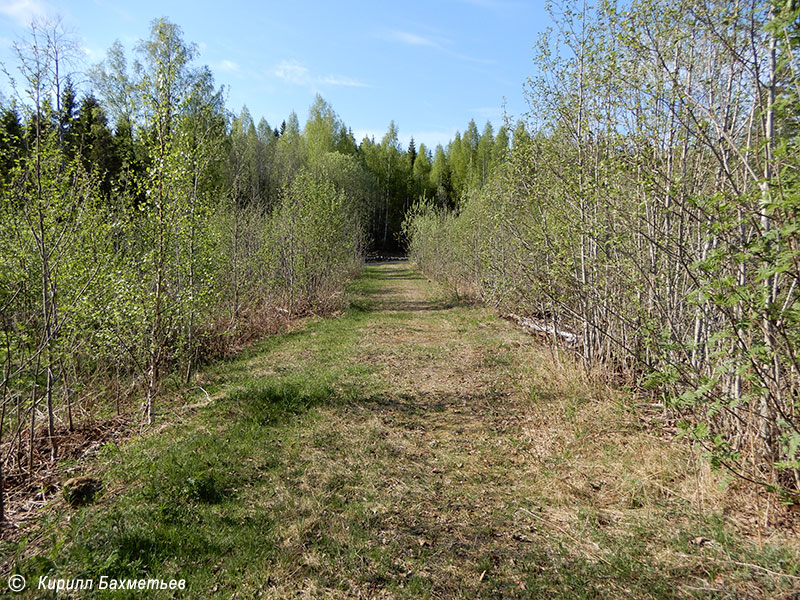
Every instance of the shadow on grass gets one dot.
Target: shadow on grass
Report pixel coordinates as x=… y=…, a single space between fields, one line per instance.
x=277 y=403
x=176 y=514
x=385 y=275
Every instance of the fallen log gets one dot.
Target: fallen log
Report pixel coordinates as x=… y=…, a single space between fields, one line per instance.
x=535 y=328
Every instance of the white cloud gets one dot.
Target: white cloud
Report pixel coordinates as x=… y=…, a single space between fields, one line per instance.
x=92 y=54
x=414 y=39
x=343 y=81
x=293 y=72
x=296 y=73
x=228 y=66
x=441 y=44
x=480 y=61
x=24 y=11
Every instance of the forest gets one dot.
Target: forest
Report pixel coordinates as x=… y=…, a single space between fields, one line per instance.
x=643 y=215
x=146 y=228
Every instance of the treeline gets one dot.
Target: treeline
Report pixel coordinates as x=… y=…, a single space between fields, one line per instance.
x=653 y=214
x=440 y=177
x=143 y=229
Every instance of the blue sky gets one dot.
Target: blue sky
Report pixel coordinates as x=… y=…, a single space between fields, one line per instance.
x=429 y=66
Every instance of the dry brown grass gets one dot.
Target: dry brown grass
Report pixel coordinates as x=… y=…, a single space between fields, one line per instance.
x=480 y=455
x=460 y=459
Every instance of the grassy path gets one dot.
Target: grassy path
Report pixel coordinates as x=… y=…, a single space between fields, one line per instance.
x=408 y=448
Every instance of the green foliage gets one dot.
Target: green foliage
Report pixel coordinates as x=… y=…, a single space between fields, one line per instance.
x=316 y=243
x=129 y=255
x=653 y=226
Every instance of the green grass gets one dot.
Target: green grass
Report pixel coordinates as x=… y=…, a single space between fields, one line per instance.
x=409 y=447
x=178 y=500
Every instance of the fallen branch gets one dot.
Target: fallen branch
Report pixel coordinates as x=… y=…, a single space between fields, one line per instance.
x=197 y=387
x=545 y=330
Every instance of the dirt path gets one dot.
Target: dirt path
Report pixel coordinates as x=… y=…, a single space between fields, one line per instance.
x=474 y=463
x=439 y=448
x=413 y=447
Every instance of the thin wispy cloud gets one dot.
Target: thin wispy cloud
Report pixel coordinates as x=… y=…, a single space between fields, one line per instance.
x=298 y=74
x=92 y=54
x=343 y=81
x=438 y=43
x=228 y=66
x=480 y=61
x=414 y=39
x=24 y=11
x=292 y=72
